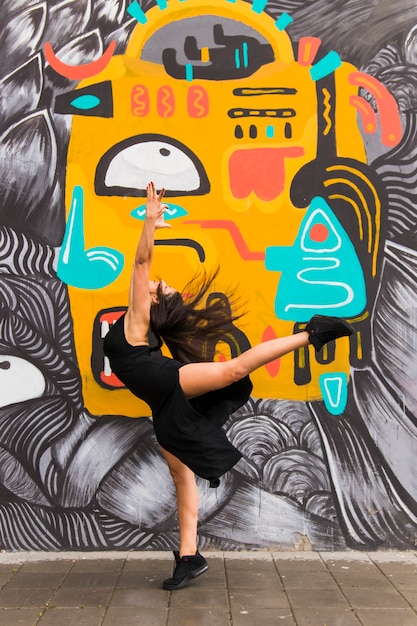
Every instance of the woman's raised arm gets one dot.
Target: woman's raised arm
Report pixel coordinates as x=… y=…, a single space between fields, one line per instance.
x=138 y=313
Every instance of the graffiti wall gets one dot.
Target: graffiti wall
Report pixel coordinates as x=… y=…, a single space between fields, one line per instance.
x=284 y=133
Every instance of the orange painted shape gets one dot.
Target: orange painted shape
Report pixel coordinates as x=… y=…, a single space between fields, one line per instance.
x=389 y=116
x=260 y=170
x=165 y=102
x=139 y=101
x=307 y=50
x=240 y=244
x=197 y=101
x=368 y=115
x=78 y=72
x=273 y=367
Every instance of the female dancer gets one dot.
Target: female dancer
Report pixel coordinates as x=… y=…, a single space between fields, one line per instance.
x=190 y=398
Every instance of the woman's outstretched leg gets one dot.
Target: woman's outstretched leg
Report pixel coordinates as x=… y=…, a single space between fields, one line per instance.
x=199 y=378
x=189 y=563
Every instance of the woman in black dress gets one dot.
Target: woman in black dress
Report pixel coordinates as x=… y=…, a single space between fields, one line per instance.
x=190 y=397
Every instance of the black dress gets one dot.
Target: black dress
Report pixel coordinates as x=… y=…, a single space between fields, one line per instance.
x=189 y=429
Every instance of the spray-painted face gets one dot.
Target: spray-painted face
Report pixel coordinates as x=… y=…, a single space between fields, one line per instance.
x=209 y=103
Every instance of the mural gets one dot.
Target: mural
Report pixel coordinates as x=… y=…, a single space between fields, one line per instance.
x=284 y=134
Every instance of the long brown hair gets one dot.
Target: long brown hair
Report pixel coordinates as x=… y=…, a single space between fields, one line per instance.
x=188 y=325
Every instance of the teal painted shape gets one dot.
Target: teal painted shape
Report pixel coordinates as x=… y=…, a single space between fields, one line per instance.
x=259 y=5
x=334 y=391
x=137 y=12
x=245 y=54
x=189 y=72
x=327 y=65
x=87 y=269
x=237 y=58
x=321 y=271
x=283 y=21
x=86 y=102
x=172 y=212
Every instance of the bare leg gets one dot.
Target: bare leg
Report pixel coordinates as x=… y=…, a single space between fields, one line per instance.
x=199 y=378
x=187 y=503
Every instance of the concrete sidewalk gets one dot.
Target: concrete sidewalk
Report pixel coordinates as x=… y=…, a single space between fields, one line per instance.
x=239 y=589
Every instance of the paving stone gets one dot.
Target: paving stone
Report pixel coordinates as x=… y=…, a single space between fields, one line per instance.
x=19 y=598
x=198 y=617
x=263 y=617
x=19 y=617
x=120 y=616
x=296 y=562
x=360 y=579
x=245 y=599
x=316 y=598
x=98 y=565
x=147 y=598
x=387 y=617
x=309 y=580
x=72 y=617
x=49 y=567
x=410 y=596
x=252 y=574
x=375 y=598
x=81 y=597
x=403 y=580
x=201 y=597
x=36 y=579
x=327 y=616
x=91 y=579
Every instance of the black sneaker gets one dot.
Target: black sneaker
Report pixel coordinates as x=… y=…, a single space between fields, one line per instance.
x=185 y=567
x=323 y=329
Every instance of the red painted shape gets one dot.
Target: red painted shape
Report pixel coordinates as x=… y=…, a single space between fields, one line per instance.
x=389 y=116
x=307 y=50
x=260 y=170
x=273 y=367
x=236 y=235
x=139 y=101
x=197 y=101
x=78 y=72
x=319 y=232
x=111 y=317
x=165 y=101
x=111 y=380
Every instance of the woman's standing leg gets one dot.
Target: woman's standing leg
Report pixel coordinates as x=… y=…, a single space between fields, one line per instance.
x=188 y=563
x=187 y=502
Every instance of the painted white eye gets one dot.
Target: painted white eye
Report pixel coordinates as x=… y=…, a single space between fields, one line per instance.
x=19 y=380
x=128 y=167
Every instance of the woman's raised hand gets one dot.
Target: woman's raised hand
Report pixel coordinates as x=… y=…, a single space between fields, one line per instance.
x=155 y=209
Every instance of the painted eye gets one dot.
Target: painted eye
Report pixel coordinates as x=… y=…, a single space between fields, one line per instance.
x=86 y=102
x=127 y=167
x=94 y=100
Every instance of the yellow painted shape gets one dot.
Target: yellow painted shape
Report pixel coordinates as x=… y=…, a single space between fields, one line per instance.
x=212 y=138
